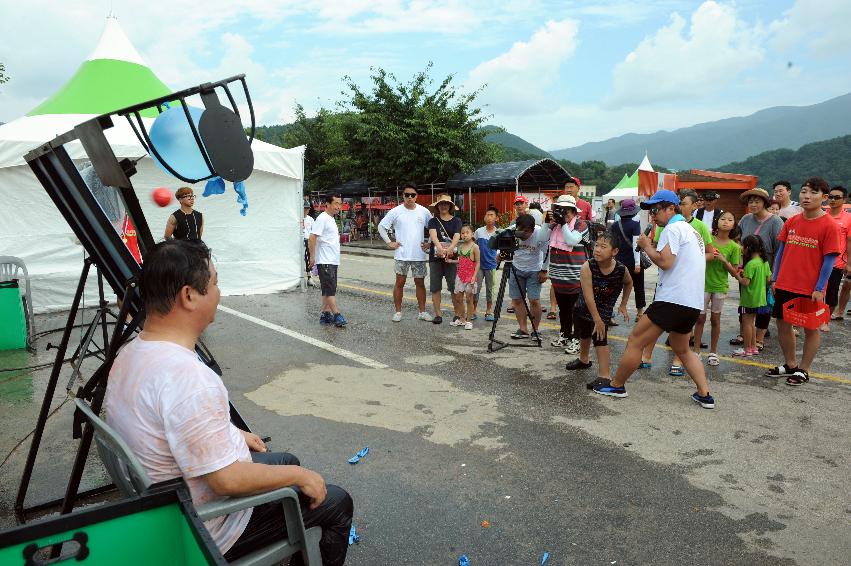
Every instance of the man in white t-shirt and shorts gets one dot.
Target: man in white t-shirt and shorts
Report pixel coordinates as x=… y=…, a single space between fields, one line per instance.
x=680 y=256
x=174 y=414
x=324 y=244
x=409 y=222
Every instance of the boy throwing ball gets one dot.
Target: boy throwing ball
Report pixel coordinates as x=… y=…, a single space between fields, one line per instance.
x=602 y=278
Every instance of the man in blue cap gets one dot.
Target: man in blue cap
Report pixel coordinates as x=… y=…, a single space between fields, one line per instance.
x=680 y=256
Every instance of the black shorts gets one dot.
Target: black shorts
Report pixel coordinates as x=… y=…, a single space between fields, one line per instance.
x=781 y=297
x=584 y=329
x=327 y=279
x=671 y=317
x=831 y=297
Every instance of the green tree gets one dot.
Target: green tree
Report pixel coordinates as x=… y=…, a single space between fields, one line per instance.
x=327 y=158
x=407 y=131
x=4 y=78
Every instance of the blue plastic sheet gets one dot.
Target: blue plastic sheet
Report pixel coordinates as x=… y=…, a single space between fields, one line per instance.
x=216 y=186
x=544 y=558
x=354 y=538
x=356 y=458
x=463 y=560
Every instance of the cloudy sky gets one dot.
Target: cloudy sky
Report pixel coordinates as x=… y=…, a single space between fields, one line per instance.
x=557 y=73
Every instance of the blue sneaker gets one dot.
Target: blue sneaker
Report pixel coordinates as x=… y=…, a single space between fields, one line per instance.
x=606 y=388
x=707 y=402
x=326 y=318
x=489 y=317
x=339 y=320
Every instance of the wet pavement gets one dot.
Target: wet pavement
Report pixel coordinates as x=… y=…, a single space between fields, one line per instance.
x=459 y=436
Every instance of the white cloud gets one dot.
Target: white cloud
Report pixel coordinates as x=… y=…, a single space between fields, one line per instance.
x=518 y=80
x=687 y=60
x=821 y=26
x=359 y=17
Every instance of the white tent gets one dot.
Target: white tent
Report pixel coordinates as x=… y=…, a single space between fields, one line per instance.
x=257 y=253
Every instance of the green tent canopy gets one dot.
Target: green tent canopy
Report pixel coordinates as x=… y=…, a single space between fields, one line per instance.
x=113 y=77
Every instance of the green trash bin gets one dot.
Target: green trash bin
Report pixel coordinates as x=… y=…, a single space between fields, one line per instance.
x=13 y=326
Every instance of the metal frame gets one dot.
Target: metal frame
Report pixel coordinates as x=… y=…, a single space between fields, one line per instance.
x=62 y=181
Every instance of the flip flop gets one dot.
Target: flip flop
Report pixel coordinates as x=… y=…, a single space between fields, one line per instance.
x=645 y=365
x=551 y=315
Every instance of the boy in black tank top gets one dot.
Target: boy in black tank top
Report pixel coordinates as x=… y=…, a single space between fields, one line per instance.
x=602 y=278
x=185 y=223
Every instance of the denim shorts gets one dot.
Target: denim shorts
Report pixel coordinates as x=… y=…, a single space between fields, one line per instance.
x=525 y=280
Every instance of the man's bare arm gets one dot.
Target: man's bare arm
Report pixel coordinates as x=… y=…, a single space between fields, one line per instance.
x=248 y=478
x=169 y=227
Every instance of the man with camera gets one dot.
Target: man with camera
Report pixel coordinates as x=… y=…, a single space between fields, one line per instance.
x=528 y=272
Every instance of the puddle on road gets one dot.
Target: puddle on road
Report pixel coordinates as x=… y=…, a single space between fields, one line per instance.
x=385 y=398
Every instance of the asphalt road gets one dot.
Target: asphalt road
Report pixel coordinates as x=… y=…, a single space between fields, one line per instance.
x=459 y=436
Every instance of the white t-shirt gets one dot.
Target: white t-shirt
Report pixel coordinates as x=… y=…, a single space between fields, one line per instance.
x=307 y=225
x=327 y=239
x=682 y=284
x=409 y=226
x=173 y=413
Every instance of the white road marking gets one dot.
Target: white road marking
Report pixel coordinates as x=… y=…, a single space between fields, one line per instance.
x=307 y=339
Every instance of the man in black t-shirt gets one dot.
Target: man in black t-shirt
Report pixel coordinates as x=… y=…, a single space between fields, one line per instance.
x=185 y=223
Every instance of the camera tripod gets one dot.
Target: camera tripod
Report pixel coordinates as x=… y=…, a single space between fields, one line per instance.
x=493 y=343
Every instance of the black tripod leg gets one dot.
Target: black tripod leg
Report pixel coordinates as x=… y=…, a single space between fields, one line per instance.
x=48 y=395
x=497 y=309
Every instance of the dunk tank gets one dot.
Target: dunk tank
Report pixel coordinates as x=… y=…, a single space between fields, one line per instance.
x=195 y=137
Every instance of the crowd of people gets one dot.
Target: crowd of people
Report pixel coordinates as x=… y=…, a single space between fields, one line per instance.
x=779 y=250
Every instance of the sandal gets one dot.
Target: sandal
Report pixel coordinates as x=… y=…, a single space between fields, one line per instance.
x=780 y=371
x=800 y=377
x=645 y=365
x=677 y=371
x=760 y=346
x=712 y=359
x=737 y=341
x=551 y=315
x=837 y=317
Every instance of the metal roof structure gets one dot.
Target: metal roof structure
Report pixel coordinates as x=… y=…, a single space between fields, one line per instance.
x=522 y=176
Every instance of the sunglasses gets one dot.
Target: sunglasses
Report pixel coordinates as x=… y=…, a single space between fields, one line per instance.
x=409 y=195
x=836 y=197
x=187 y=196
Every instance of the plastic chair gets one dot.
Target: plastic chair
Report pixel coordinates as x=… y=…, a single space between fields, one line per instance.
x=14 y=268
x=131 y=479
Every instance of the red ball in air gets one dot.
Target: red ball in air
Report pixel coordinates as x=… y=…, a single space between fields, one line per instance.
x=161 y=196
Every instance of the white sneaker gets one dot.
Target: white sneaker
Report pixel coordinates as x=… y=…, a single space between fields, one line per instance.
x=456 y=322
x=468 y=326
x=425 y=316
x=572 y=346
x=397 y=317
x=559 y=342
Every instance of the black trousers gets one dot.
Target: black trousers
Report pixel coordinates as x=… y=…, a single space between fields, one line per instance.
x=566 y=302
x=267 y=524
x=638 y=287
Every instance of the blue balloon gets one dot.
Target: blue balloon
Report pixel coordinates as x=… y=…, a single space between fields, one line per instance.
x=172 y=138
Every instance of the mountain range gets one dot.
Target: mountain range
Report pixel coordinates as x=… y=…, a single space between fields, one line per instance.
x=724 y=141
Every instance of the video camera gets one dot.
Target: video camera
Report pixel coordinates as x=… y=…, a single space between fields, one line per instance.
x=558 y=214
x=505 y=241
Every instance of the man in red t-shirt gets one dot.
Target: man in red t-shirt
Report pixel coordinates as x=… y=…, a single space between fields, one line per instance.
x=571 y=187
x=809 y=246
x=836 y=210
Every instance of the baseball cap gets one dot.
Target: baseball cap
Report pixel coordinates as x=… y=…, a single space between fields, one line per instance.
x=574 y=180
x=520 y=198
x=711 y=195
x=661 y=196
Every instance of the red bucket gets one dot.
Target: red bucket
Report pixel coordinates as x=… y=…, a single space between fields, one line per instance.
x=806 y=313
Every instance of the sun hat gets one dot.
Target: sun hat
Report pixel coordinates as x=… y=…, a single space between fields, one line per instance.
x=757 y=192
x=520 y=198
x=441 y=198
x=566 y=201
x=661 y=196
x=628 y=208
